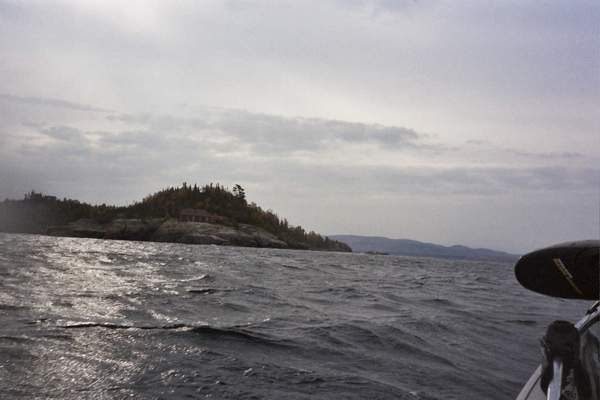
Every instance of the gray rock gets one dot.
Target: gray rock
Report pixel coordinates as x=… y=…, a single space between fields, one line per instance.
x=171 y=230
x=205 y=233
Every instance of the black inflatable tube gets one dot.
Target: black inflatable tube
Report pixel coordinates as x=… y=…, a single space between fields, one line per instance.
x=568 y=270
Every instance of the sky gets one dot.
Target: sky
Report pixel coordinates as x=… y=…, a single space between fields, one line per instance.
x=453 y=122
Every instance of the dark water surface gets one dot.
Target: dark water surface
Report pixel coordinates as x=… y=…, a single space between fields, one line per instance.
x=85 y=318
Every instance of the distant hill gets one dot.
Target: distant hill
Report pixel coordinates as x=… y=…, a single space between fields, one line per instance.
x=408 y=247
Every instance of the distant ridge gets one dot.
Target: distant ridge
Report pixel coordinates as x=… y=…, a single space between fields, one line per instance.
x=408 y=247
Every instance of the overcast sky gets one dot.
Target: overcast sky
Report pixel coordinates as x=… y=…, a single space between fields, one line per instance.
x=458 y=122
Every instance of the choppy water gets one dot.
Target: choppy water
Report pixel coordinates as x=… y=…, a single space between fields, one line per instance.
x=84 y=318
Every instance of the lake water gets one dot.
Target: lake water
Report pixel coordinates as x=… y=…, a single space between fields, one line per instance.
x=85 y=318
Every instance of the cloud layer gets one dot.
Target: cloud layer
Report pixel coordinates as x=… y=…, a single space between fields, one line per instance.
x=446 y=122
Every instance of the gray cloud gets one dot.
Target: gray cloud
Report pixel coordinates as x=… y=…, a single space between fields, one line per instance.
x=415 y=181
x=548 y=155
x=51 y=102
x=65 y=133
x=379 y=8
x=552 y=156
x=219 y=143
x=154 y=151
x=270 y=134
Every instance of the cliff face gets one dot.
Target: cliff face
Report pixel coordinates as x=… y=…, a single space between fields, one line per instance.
x=170 y=230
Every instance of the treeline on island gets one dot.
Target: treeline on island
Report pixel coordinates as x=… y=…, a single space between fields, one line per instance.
x=39 y=213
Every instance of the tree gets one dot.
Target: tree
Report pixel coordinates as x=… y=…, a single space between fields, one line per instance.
x=239 y=192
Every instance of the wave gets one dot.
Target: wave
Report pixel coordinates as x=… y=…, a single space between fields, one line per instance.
x=109 y=325
x=521 y=321
x=203 y=277
x=207 y=290
x=236 y=331
x=11 y=307
x=380 y=338
x=16 y=339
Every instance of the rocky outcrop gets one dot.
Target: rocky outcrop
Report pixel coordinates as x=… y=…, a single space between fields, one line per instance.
x=205 y=233
x=170 y=230
x=127 y=229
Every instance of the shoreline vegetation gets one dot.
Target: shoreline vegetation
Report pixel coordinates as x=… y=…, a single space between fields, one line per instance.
x=209 y=214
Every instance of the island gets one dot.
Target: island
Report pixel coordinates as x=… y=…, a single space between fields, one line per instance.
x=192 y=214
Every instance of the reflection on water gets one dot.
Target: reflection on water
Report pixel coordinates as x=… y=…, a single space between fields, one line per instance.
x=86 y=318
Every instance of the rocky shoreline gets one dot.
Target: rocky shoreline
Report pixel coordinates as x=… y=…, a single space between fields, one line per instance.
x=170 y=230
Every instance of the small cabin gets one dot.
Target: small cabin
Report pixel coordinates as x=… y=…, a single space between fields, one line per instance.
x=199 y=215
